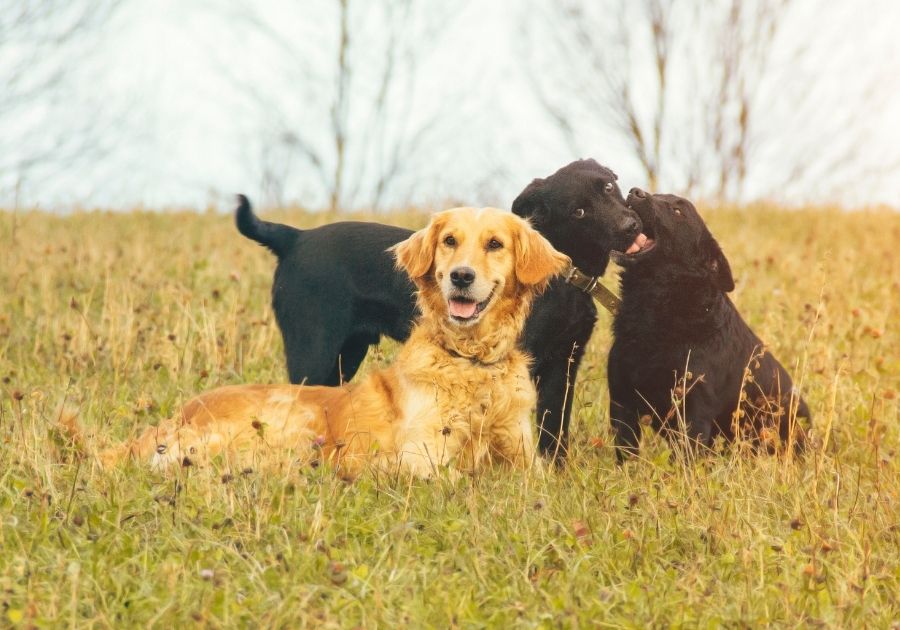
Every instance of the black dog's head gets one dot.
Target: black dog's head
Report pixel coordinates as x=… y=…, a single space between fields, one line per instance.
x=580 y=210
x=675 y=234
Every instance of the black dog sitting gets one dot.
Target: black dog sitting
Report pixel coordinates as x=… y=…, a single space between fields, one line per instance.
x=683 y=358
x=336 y=290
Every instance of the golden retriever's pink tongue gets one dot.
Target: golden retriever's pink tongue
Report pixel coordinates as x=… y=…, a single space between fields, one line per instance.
x=637 y=245
x=458 y=308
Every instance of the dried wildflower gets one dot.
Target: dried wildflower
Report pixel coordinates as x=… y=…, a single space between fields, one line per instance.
x=581 y=531
x=337 y=572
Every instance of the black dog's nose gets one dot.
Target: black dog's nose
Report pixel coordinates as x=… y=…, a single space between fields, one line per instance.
x=462 y=277
x=637 y=192
x=630 y=225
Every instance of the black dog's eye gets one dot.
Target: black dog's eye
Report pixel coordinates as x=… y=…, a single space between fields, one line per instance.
x=677 y=212
x=578 y=213
x=449 y=241
x=609 y=187
x=494 y=244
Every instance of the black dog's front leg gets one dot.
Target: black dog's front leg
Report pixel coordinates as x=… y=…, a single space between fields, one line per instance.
x=626 y=428
x=690 y=420
x=555 y=378
x=624 y=406
x=556 y=334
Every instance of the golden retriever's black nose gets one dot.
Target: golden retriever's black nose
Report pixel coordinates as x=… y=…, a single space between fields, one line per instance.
x=637 y=192
x=462 y=277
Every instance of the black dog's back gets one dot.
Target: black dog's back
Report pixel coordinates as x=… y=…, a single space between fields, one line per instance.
x=683 y=359
x=350 y=293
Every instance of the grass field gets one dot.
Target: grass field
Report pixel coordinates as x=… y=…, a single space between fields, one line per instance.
x=126 y=315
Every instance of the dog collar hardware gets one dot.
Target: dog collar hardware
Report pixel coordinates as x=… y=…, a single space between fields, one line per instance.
x=592 y=286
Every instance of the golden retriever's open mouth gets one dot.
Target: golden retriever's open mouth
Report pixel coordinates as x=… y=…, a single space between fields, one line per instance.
x=463 y=309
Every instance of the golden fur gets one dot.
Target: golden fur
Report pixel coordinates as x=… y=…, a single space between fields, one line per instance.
x=457 y=394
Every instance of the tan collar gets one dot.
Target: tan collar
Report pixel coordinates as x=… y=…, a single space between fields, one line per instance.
x=592 y=285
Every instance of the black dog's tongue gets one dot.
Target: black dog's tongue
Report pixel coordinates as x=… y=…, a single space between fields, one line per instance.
x=638 y=244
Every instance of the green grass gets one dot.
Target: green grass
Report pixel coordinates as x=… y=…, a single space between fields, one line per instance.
x=128 y=314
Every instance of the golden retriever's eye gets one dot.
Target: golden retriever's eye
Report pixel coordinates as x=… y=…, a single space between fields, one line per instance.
x=609 y=187
x=494 y=244
x=578 y=213
x=449 y=241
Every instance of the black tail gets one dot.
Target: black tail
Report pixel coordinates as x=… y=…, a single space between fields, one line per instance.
x=277 y=237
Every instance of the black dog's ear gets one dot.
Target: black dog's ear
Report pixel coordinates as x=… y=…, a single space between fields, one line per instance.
x=530 y=202
x=717 y=264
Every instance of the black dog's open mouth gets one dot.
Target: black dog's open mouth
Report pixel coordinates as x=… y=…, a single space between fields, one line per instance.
x=463 y=309
x=643 y=244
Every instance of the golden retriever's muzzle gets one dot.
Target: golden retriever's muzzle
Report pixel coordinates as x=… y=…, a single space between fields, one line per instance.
x=467 y=295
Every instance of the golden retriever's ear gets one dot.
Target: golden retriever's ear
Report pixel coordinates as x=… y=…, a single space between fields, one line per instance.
x=536 y=259
x=415 y=255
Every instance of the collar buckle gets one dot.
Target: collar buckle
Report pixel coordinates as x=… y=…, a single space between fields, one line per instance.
x=593 y=287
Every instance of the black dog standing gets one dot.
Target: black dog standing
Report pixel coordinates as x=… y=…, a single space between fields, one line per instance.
x=675 y=317
x=336 y=290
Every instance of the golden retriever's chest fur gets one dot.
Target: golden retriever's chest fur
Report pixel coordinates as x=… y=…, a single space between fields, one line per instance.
x=462 y=412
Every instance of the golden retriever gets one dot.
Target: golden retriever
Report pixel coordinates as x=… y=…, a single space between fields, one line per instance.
x=458 y=393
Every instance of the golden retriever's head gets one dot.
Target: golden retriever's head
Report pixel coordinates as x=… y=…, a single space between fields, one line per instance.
x=474 y=264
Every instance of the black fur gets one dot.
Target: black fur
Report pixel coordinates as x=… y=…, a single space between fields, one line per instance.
x=676 y=316
x=336 y=290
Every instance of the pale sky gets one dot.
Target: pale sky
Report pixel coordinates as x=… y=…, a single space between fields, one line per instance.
x=176 y=88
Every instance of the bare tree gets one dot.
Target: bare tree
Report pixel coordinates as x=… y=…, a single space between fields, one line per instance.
x=687 y=86
x=43 y=48
x=349 y=107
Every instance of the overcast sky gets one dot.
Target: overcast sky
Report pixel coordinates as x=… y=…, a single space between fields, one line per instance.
x=180 y=89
